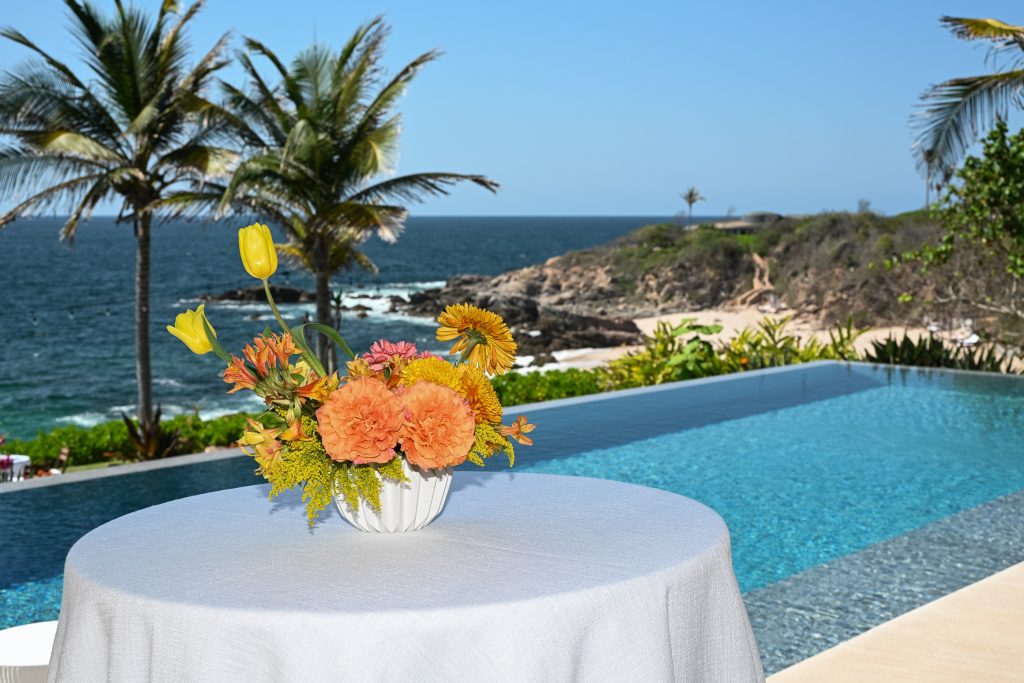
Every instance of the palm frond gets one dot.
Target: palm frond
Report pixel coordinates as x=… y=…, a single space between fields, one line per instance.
x=345 y=256
x=203 y=160
x=354 y=222
x=65 y=142
x=51 y=86
x=954 y=112
x=83 y=211
x=416 y=186
x=982 y=29
x=52 y=195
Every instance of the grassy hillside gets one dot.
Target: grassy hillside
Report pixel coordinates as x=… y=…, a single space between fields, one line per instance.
x=831 y=263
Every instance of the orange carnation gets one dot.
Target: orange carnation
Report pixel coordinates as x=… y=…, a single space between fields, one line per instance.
x=439 y=426
x=361 y=422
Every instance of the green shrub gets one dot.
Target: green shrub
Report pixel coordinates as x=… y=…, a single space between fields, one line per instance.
x=515 y=388
x=932 y=352
x=667 y=356
x=110 y=440
x=195 y=434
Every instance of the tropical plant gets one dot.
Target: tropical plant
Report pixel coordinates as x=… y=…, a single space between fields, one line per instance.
x=691 y=197
x=955 y=111
x=667 y=356
x=134 y=127
x=932 y=352
x=769 y=345
x=320 y=145
x=150 y=440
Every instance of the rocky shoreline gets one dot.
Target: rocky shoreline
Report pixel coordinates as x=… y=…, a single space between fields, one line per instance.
x=540 y=325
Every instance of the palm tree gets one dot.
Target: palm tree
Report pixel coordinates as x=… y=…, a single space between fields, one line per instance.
x=127 y=129
x=957 y=111
x=321 y=143
x=691 y=197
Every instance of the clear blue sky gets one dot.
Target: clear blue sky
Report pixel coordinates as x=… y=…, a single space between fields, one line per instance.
x=614 y=108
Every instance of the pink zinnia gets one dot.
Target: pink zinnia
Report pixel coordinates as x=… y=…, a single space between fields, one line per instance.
x=383 y=351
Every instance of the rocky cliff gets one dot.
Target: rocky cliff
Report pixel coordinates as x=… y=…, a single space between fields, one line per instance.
x=829 y=265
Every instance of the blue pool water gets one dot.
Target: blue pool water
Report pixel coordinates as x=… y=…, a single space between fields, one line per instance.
x=804 y=464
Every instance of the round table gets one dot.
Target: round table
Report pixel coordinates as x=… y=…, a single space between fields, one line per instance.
x=523 y=577
x=19 y=463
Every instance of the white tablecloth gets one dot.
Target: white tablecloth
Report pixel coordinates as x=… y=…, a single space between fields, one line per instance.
x=522 y=578
x=18 y=465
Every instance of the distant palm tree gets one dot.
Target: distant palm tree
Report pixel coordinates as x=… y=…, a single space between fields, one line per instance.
x=321 y=143
x=691 y=197
x=957 y=111
x=128 y=129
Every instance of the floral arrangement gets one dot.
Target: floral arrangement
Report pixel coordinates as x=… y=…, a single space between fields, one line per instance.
x=331 y=434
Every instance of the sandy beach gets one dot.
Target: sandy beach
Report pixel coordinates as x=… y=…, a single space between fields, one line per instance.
x=733 y=321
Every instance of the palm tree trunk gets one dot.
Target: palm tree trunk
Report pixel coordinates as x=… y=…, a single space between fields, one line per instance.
x=689 y=218
x=324 y=347
x=143 y=369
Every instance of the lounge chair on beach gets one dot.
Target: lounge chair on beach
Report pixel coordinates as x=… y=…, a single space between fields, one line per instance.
x=970 y=340
x=62 y=461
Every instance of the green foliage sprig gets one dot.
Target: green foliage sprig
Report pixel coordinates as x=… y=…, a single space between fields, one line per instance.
x=668 y=355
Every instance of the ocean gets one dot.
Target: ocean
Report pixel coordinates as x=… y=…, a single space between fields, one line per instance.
x=66 y=311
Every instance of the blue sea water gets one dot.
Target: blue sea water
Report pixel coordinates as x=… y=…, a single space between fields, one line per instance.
x=805 y=465
x=66 y=311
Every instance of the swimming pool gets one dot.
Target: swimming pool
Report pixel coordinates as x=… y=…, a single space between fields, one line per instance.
x=805 y=464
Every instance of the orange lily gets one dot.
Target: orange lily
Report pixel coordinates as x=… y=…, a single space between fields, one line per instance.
x=294 y=432
x=266 y=447
x=238 y=373
x=518 y=431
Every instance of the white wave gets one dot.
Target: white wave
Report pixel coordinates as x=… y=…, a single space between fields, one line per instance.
x=373 y=302
x=167 y=382
x=247 y=403
x=88 y=419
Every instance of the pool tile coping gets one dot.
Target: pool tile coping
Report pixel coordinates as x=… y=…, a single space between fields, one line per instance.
x=820 y=607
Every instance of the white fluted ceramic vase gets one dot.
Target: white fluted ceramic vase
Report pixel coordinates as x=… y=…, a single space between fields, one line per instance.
x=404 y=506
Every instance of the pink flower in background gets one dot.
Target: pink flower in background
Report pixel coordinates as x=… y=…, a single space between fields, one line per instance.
x=383 y=351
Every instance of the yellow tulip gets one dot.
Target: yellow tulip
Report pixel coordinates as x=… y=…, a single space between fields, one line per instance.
x=188 y=327
x=256 y=245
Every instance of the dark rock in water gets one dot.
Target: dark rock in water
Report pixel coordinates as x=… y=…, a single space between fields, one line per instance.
x=560 y=329
x=282 y=295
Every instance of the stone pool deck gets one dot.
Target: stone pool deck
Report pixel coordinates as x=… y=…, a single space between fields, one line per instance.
x=974 y=634
x=818 y=608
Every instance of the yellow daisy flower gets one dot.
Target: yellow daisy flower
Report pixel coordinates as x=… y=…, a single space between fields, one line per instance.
x=482 y=337
x=434 y=370
x=480 y=393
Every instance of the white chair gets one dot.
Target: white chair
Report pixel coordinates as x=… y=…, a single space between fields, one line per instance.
x=970 y=340
x=25 y=652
